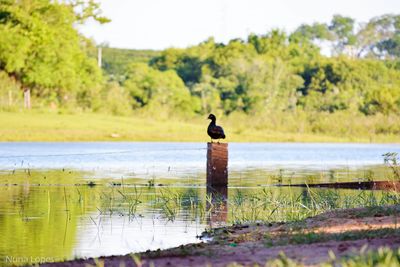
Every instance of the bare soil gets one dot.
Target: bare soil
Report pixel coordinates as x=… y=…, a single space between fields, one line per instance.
x=307 y=242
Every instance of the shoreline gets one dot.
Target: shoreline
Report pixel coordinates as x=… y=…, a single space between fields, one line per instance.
x=345 y=233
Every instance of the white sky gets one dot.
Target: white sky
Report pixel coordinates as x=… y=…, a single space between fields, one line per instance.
x=159 y=24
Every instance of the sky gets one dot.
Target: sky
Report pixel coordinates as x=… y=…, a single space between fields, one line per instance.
x=160 y=24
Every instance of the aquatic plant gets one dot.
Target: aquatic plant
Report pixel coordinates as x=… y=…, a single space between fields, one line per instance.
x=391 y=160
x=243 y=205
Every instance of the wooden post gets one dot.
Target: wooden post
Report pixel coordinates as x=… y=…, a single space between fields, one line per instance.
x=27 y=98
x=10 y=98
x=217 y=164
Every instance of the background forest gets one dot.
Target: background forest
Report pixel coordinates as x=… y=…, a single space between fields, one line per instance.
x=338 y=79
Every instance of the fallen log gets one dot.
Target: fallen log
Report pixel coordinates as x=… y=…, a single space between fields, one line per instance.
x=369 y=185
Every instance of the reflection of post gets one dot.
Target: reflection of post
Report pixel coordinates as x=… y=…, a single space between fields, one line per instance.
x=217 y=164
x=217 y=205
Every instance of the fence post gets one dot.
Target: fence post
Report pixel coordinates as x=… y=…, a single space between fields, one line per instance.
x=27 y=98
x=217 y=164
x=10 y=100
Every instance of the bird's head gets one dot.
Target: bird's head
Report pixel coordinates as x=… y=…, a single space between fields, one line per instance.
x=211 y=117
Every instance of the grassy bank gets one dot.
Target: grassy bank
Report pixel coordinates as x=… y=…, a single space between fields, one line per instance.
x=37 y=126
x=335 y=238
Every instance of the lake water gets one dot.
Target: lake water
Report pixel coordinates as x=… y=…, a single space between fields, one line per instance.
x=149 y=195
x=144 y=160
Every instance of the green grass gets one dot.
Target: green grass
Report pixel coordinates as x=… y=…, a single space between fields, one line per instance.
x=312 y=237
x=382 y=257
x=92 y=127
x=47 y=126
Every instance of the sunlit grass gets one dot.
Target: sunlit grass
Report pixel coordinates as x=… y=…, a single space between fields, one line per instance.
x=383 y=256
x=47 y=126
x=92 y=127
x=242 y=206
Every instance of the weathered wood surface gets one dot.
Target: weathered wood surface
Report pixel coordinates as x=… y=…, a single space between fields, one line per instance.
x=217 y=164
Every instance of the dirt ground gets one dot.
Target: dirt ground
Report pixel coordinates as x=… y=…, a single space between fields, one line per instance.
x=308 y=242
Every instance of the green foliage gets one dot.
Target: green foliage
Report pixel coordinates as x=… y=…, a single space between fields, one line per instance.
x=241 y=76
x=340 y=83
x=43 y=51
x=378 y=38
x=281 y=78
x=343 y=30
x=277 y=72
x=10 y=96
x=156 y=90
x=115 y=61
x=117 y=99
x=313 y=32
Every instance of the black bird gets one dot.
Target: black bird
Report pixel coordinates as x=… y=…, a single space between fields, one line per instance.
x=213 y=130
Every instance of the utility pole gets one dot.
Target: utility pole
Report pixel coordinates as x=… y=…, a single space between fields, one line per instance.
x=99 y=56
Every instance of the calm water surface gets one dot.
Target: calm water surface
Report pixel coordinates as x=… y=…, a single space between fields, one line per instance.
x=147 y=195
x=174 y=160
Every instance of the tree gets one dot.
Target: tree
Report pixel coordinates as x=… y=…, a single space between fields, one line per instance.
x=153 y=89
x=345 y=84
x=277 y=72
x=377 y=38
x=316 y=31
x=44 y=51
x=343 y=30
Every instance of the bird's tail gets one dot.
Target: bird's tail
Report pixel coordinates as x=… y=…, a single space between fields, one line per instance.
x=223 y=136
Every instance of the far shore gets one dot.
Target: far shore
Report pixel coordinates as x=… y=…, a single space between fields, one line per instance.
x=54 y=127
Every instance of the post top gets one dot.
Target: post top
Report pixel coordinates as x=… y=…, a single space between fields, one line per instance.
x=209 y=144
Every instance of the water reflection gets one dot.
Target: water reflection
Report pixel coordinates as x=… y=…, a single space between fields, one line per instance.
x=34 y=222
x=74 y=220
x=117 y=198
x=217 y=204
x=64 y=222
x=116 y=235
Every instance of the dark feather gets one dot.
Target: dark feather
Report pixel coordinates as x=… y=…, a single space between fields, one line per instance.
x=213 y=130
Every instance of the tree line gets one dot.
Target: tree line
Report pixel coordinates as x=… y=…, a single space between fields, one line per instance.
x=43 y=54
